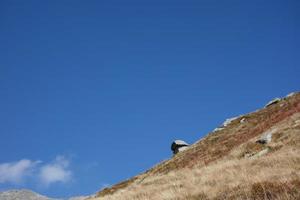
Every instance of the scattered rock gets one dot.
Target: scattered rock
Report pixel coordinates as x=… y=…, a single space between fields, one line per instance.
x=291 y=94
x=178 y=146
x=243 y=120
x=249 y=155
x=265 y=138
x=218 y=129
x=228 y=121
x=225 y=123
x=274 y=101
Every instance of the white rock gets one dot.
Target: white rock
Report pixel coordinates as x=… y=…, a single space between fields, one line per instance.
x=179 y=146
x=242 y=120
x=266 y=137
x=274 y=101
x=228 y=121
x=225 y=123
x=180 y=149
x=291 y=94
x=218 y=129
x=180 y=143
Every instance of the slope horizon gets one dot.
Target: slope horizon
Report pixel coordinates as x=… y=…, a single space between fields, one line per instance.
x=93 y=93
x=234 y=161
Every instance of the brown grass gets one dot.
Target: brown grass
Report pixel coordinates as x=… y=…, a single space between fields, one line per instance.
x=275 y=175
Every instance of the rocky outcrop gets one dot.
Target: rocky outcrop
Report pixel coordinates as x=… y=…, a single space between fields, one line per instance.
x=226 y=123
x=274 y=101
x=266 y=137
x=178 y=146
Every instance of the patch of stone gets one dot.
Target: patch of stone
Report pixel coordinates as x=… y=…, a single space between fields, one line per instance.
x=218 y=129
x=225 y=123
x=291 y=94
x=228 y=121
x=266 y=137
x=272 y=102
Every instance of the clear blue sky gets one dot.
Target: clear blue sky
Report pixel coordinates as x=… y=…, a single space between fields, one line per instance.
x=107 y=85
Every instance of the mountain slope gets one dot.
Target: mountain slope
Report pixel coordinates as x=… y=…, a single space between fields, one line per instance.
x=229 y=163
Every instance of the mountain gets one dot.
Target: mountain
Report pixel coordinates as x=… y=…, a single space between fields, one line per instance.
x=252 y=156
x=22 y=195
x=29 y=195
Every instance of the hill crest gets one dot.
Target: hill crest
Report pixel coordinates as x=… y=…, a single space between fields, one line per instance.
x=234 y=141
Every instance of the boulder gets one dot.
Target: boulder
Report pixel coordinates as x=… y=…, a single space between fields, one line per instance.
x=242 y=120
x=265 y=138
x=178 y=146
x=225 y=123
x=228 y=121
x=291 y=94
x=274 y=101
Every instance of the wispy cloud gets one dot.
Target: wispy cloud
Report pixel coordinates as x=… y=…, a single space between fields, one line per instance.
x=16 y=172
x=57 y=171
x=45 y=173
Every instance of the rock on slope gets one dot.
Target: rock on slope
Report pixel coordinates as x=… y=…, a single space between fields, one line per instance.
x=229 y=163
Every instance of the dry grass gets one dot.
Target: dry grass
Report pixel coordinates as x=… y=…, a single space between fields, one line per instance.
x=274 y=175
x=227 y=164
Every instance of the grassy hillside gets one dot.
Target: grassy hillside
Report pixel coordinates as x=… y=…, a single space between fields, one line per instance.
x=228 y=163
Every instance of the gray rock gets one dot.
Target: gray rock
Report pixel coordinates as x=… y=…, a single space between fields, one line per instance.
x=274 y=101
x=218 y=129
x=228 y=121
x=178 y=146
x=242 y=120
x=225 y=123
x=265 y=138
x=291 y=94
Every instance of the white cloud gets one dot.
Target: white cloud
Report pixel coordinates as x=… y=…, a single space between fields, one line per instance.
x=16 y=172
x=45 y=173
x=57 y=171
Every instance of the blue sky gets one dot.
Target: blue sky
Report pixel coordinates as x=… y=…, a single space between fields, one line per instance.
x=94 y=92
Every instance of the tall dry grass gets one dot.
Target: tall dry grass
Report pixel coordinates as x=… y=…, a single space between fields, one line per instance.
x=238 y=178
